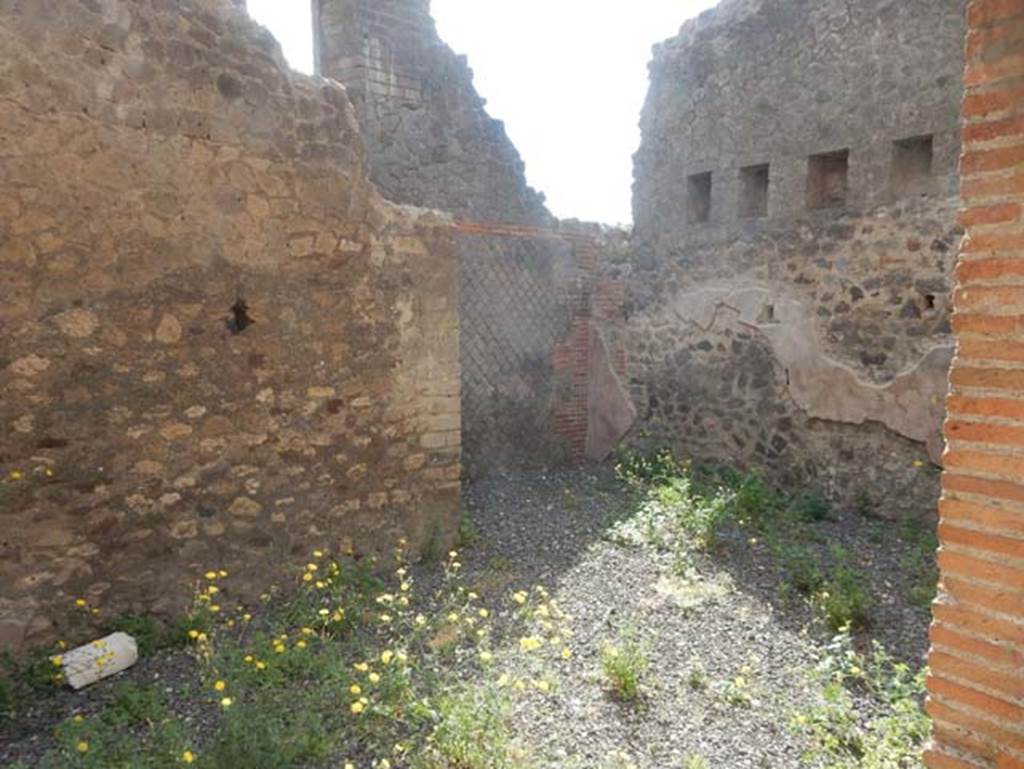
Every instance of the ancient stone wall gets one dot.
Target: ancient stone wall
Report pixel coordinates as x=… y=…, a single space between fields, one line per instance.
x=218 y=346
x=431 y=143
x=795 y=234
x=976 y=688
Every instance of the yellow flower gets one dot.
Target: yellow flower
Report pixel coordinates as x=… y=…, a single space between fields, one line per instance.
x=520 y=597
x=311 y=567
x=374 y=677
x=421 y=620
x=78 y=718
x=222 y=573
x=503 y=679
x=349 y=765
x=486 y=657
x=405 y=587
x=219 y=686
x=484 y=613
x=354 y=689
x=384 y=764
x=57 y=660
x=261 y=665
x=357 y=707
x=401 y=657
x=80 y=602
x=246 y=617
x=214 y=608
x=300 y=644
x=324 y=612
x=453 y=554
x=307 y=577
x=566 y=653
x=211 y=575
x=529 y=644
x=918 y=463
x=453 y=618
x=279 y=647
x=82 y=747
x=227 y=702
x=247 y=659
x=318 y=553
x=386 y=655
x=543 y=685
x=362 y=667
x=188 y=757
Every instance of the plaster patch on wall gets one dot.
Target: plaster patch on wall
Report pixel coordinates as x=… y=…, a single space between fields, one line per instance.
x=611 y=412
x=912 y=404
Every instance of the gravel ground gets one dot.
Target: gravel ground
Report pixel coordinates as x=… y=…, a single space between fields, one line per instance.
x=725 y=618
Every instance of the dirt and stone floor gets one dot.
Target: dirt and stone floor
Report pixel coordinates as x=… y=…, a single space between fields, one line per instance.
x=720 y=618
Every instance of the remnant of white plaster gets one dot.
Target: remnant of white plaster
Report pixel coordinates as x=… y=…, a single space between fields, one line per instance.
x=911 y=404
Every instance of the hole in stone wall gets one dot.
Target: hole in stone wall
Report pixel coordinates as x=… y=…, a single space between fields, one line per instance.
x=912 y=165
x=698 y=198
x=754 y=192
x=240 y=319
x=828 y=179
x=929 y=300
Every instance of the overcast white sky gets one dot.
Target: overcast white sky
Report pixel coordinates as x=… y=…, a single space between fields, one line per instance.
x=568 y=77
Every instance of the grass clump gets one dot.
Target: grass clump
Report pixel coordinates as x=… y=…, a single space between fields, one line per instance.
x=870 y=716
x=471 y=732
x=352 y=665
x=624 y=665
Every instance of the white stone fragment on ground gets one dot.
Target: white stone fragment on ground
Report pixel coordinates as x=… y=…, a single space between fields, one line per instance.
x=99 y=659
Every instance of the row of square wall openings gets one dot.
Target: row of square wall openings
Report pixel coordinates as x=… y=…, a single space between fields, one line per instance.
x=827 y=181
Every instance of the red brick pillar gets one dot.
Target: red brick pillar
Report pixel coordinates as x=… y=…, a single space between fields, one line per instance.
x=976 y=688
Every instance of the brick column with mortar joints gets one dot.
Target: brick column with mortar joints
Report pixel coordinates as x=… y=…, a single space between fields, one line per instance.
x=976 y=686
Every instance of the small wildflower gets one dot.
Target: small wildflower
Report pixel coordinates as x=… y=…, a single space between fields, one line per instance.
x=318 y=553
x=483 y=613
x=57 y=660
x=248 y=659
x=529 y=644
x=362 y=667
x=80 y=603
x=386 y=656
x=211 y=575
x=520 y=597
x=374 y=678
x=421 y=620
x=222 y=573
x=324 y=612
x=261 y=665
x=219 y=686
x=307 y=577
x=246 y=617
x=355 y=689
x=486 y=657
x=82 y=747
x=226 y=702
x=300 y=644
x=188 y=757
x=357 y=707
x=16 y=476
x=542 y=685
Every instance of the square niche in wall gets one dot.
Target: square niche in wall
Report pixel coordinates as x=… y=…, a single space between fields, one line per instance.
x=912 y=166
x=698 y=198
x=753 y=202
x=828 y=179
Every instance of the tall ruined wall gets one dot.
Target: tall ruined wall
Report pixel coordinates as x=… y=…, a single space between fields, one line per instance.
x=795 y=234
x=218 y=346
x=976 y=664
x=431 y=142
